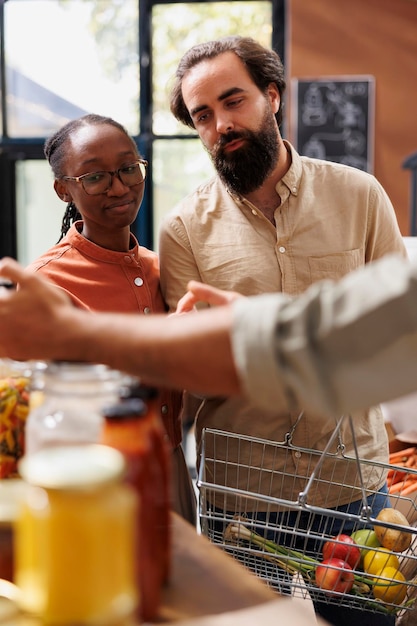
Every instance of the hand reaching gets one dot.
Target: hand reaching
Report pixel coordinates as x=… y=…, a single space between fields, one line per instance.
x=200 y=292
x=30 y=316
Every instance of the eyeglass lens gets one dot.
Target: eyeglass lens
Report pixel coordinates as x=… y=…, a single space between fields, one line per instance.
x=100 y=182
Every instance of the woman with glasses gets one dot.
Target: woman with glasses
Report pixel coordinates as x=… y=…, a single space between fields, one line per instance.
x=100 y=174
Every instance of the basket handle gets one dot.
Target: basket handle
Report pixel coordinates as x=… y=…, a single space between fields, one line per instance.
x=289 y=436
x=302 y=496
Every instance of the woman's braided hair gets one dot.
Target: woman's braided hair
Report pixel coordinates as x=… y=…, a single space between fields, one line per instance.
x=54 y=151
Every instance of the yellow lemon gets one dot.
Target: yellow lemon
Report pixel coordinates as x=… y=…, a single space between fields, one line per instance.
x=376 y=560
x=393 y=590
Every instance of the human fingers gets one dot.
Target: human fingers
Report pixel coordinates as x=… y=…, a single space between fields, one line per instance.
x=33 y=289
x=33 y=317
x=211 y=295
x=201 y=292
x=198 y=292
x=11 y=272
x=186 y=303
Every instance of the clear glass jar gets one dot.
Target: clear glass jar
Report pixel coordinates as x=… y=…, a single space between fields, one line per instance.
x=67 y=409
x=75 y=537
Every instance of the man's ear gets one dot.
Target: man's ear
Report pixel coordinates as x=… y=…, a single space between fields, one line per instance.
x=274 y=97
x=62 y=191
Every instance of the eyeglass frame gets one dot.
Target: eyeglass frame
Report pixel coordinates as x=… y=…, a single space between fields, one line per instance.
x=79 y=179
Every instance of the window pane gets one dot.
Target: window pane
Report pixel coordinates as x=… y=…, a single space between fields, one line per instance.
x=179 y=165
x=39 y=210
x=177 y=27
x=64 y=59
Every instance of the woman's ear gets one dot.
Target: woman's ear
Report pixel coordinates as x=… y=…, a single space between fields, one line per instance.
x=62 y=191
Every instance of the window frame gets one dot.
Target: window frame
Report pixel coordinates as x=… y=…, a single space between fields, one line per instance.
x=13 y=150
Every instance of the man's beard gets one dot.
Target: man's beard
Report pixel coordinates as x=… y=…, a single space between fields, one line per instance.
x=244 y=170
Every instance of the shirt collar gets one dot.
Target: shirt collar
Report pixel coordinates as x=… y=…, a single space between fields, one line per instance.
x=292 y=178
x=86 y=246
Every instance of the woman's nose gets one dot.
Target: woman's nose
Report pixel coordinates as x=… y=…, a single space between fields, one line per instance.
x=117 y=186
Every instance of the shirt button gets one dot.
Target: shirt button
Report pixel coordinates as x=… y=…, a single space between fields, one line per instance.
x=294 y=189
x=297 y=454
x=254 y=212
x=281 y=249
x=128 y=259
x=146 y=310
x=138 y=281
x=164 y=409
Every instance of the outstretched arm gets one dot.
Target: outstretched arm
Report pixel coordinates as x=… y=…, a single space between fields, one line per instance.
x=336 y=348
x=192 y=351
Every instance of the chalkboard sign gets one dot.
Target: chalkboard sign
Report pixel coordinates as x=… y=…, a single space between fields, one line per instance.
x=333 y=119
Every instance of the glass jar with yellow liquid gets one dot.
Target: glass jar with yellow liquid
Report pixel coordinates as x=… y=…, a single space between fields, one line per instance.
x=75 y=537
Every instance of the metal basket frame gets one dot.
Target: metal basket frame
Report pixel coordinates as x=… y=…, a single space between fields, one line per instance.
x=297 y=525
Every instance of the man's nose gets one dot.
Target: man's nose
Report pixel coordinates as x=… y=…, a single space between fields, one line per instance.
x=224 y=123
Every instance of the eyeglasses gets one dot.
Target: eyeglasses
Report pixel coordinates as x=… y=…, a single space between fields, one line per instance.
x=95 y=183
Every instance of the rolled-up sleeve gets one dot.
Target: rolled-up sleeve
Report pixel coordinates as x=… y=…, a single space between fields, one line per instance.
x=337 y=348
x=254 y=350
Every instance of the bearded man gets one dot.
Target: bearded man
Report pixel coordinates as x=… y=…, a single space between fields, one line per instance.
x=271 y=221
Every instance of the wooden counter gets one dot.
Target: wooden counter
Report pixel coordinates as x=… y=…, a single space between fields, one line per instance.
x=204 y=580
x=209 y=588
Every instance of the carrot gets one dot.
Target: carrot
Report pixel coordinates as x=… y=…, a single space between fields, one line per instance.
x=401 y=455
x=394 y=475
x=397 y=487
x=411 y=461
x=400 y=463
x=402 y=482
x=409 y=487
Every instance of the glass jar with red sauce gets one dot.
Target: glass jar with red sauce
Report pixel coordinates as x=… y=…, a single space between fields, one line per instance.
x=134 y=427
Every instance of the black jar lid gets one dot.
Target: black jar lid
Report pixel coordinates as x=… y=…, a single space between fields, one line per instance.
x=138 y=391
x=129 y=408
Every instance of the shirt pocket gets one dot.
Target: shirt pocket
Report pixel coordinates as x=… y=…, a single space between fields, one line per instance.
x=334 y=266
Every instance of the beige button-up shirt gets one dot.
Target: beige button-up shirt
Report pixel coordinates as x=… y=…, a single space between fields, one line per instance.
x=331 y=220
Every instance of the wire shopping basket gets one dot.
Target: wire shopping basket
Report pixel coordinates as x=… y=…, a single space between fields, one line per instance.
x=297 y=544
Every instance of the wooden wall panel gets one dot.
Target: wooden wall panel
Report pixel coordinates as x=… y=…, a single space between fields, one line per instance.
x=377 y=37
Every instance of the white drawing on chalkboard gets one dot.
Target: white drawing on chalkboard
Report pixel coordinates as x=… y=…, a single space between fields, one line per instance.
x=330 y=106
x=314 y=109
x=330 y=101
x=347 y=113
x=354 y=143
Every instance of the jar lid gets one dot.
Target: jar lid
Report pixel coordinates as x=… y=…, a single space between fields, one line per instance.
x=127 y=409
x=138 y=390
x=11 y=368
x=72 y=467
x=81 y=373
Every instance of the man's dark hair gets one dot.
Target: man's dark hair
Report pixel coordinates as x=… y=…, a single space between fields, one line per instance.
x=264 y=67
